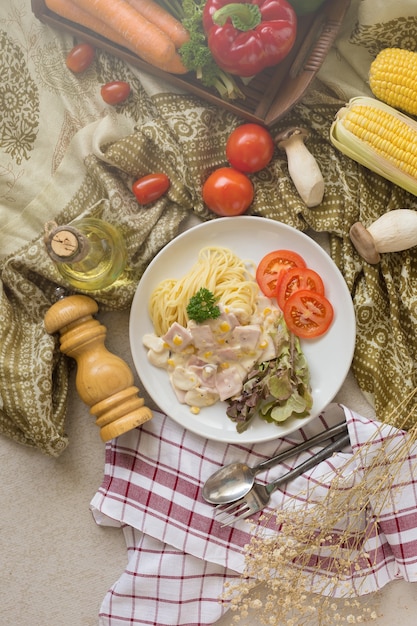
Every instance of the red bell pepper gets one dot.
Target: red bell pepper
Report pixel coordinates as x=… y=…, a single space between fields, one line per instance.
x=246 y=37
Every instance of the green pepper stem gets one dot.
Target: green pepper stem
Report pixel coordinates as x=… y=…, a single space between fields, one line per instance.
x=244 y=16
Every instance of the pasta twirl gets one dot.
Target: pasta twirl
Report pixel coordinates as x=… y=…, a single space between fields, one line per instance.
x=217 y=269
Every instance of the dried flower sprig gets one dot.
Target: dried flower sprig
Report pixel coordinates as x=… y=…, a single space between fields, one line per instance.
x=310 y=558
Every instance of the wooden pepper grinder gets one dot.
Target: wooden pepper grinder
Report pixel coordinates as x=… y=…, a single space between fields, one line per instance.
x=103 y=380
x=392 y=232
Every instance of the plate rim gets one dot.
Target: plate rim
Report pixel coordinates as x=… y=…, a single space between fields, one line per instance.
x=240 y=222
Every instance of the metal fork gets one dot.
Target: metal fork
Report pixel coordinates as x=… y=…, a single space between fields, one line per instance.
x=258 y=497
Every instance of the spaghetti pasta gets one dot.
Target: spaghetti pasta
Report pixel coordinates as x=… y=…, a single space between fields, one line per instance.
x=217 y=269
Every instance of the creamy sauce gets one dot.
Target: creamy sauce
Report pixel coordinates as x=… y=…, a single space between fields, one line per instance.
x=209 y=362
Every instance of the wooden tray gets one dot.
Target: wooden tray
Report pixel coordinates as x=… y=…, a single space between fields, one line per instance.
x=270 y=94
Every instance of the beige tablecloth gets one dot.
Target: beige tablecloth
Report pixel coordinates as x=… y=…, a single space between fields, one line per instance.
x=64 y=153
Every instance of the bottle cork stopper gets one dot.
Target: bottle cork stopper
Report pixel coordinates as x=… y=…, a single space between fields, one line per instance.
x=65 y=243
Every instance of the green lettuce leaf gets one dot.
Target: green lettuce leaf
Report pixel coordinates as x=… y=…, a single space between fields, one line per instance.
x=276 y=389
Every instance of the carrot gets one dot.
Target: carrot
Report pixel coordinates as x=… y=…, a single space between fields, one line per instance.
x=141 y=36
x=70 y=12
x=164 y=20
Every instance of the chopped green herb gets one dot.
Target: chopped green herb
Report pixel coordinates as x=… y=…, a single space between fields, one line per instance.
x=202 y=306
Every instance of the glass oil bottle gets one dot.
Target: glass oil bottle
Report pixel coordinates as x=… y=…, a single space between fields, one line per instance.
x=89 y=253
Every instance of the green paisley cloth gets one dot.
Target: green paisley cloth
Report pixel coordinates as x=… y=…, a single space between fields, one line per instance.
x=64 y=154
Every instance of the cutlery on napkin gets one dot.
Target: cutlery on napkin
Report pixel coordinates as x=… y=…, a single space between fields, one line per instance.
x=180 y=557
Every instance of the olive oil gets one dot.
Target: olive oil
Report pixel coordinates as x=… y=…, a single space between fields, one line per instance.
x=89 y=253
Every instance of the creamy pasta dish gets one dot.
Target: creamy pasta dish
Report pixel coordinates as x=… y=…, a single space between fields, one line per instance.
x=210 y=361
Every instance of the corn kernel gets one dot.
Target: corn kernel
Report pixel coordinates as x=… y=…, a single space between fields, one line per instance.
x=224 y=327
x=380 y=138
x=195 y=410
x=177 y=340
x=393 y=77
x=387 y=136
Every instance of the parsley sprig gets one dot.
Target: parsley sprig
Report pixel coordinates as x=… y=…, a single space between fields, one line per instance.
x=202 y=306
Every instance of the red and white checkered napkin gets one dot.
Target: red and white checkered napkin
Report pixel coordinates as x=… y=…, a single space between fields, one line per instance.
x=179 y=556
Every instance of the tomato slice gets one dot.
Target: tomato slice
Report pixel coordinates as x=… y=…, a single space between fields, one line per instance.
x=308 y=314
x=295 y=279
x=272 y=265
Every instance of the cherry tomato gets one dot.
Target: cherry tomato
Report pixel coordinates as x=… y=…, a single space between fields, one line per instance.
x=228 y=192
x=308 y=314
x=115 y=92
x=270 y=267
x=296 y=279
x=249 y=148
x=151 y=187
x=80 y=58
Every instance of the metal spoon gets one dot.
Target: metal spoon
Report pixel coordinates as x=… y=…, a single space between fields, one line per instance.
x=233 y=481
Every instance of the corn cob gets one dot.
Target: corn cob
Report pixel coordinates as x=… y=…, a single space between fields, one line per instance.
x=393 y=78
x=380 y=138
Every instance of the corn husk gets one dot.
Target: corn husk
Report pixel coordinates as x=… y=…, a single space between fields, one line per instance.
x=359 y=151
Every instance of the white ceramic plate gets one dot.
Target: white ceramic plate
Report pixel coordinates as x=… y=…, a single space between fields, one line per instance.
x=329 y=356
